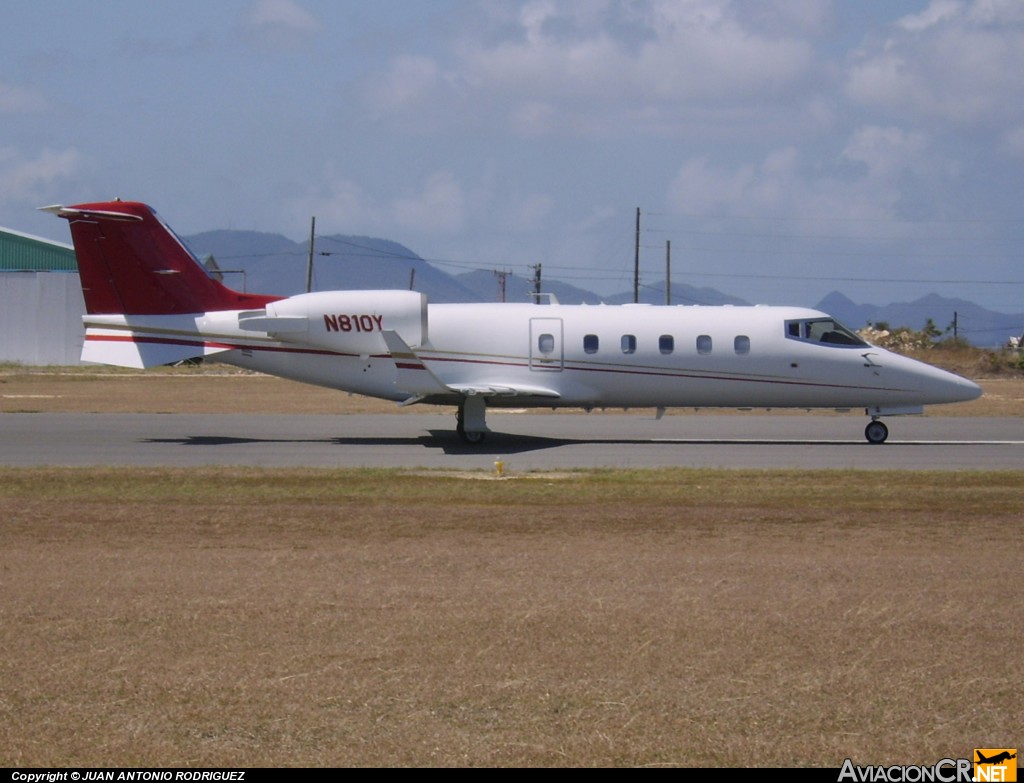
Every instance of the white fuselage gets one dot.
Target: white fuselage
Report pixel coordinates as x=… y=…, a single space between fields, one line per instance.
x=607 y=356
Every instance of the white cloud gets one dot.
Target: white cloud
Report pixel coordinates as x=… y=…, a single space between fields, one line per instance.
x=887 y=152
x=889 y=164
x=439 y=206
x=29 y=180
x=18 y=100
x=558 y=66
x=678 y=50
x=280 y=23
x=1013 y=141
x=936 y=12
x=409 y=82
x=528 y=213
x=953 y=61
x=339 y=204
x=701 y=187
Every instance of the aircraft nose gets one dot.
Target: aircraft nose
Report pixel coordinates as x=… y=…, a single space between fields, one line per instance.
x=942 y=386
x=969 y=389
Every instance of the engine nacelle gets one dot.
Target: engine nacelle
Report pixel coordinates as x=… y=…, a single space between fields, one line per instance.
x=344 y=321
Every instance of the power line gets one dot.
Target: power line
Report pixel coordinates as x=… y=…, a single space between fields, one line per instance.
x=820 y=219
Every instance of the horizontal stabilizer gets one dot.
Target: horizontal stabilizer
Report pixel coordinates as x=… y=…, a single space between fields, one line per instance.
x=146 y=341
x=71 y=213
x=143 y=352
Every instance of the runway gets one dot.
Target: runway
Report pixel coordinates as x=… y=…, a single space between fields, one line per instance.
x=522 y=442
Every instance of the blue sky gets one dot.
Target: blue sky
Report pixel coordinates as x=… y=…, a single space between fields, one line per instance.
x=785 y=148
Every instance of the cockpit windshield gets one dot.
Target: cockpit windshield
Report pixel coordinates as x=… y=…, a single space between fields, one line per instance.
x=827 y=331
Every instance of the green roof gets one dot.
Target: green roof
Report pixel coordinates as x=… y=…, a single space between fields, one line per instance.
x=25 y=253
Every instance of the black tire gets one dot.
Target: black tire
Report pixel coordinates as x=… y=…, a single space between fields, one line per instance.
x=876 y=432
x=472 y=438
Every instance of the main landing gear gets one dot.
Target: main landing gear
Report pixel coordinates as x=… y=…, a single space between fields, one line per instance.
x=876 y=431
x=471 y=420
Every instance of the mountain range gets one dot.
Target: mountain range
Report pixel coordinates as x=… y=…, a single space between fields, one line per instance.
x=270 y=263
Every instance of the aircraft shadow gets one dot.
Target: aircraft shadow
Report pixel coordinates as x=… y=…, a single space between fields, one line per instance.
x=499 y=444
x=496 y=443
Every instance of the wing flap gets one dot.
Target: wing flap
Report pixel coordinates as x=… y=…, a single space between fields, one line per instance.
x=503 y=390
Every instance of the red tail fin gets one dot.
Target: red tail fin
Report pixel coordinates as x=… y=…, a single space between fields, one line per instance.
x=132 y=263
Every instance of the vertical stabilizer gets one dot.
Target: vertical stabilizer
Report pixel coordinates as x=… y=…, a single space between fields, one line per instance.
x=132 y=263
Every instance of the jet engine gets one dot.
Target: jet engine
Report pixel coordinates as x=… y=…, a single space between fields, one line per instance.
x=343 y=321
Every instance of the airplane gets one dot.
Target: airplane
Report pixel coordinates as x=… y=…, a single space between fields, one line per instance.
x=996 y=759
x=149 y=302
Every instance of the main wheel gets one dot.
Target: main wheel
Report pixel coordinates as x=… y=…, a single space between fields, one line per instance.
x=475 y=436
x=876 y=432
x=472 y=438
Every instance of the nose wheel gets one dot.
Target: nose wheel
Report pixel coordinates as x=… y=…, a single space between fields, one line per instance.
x=876 y=432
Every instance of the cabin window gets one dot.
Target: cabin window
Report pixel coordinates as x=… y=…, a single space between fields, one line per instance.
x=704 y=344
x=741 y=344
x=629 y=343
x=666 y=343
x=590 y=343
x=827 y=331
x=546 y=343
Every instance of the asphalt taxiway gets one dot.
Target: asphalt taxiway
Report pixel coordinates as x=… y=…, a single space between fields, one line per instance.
x=521 y=441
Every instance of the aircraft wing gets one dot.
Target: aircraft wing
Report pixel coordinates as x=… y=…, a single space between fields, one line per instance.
x=498 y=390
x=419 y=381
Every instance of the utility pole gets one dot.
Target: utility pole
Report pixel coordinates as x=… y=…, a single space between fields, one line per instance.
x=309 y=264
x=412 y=277
x=636 y=261
x=501 y=284
x=668 y=271
x=536 y=282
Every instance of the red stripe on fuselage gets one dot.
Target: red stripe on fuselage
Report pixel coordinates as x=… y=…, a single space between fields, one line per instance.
x=488 y=362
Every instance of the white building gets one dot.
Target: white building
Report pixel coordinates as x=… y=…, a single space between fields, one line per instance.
x=41 y=303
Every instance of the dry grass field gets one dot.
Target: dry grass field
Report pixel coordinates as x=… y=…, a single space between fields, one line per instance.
x=246 y=617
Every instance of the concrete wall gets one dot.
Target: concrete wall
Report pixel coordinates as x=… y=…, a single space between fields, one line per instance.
x=41 y=318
